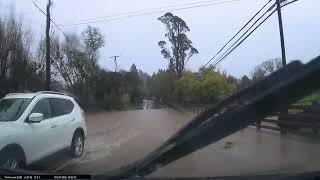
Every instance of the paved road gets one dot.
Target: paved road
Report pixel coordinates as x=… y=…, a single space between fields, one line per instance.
x=118 y=138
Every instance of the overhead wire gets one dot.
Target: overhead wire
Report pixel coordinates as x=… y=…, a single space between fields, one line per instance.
x=55 y=24
x=254 y=16
x=226 y=54
x=150 y=9
x=244 y=34
x=148 y=13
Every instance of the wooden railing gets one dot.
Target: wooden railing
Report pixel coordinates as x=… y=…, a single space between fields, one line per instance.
x=195 y=108
x=307 y=117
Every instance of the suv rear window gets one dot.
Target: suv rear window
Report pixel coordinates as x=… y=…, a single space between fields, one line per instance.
x=61 y=106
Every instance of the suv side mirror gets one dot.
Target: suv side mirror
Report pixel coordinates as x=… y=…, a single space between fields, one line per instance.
x=35 y=117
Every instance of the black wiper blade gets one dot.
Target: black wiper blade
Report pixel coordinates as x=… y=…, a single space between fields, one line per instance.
x=274 y=93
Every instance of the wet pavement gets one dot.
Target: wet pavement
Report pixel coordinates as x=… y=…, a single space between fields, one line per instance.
x=119 y=138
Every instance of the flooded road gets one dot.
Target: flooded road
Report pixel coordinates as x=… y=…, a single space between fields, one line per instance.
x=119 y=138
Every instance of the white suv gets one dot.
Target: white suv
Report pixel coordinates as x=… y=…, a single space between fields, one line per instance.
x=36 y=125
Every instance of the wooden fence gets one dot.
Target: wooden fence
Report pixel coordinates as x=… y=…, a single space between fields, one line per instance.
x=307 y=116
x=195 y=108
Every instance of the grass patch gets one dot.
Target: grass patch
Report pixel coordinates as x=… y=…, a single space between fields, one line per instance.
x=315 y=97
x=293 y=111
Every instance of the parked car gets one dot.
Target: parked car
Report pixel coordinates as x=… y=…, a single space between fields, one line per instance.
x=36 y=125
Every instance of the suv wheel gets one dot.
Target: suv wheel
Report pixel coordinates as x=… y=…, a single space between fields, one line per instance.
x=77 y=145
x=11 y=160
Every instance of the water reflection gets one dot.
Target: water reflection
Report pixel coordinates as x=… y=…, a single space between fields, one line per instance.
x=149 y=104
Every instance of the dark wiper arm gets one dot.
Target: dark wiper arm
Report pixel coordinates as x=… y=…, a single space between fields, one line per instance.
x=274 y=93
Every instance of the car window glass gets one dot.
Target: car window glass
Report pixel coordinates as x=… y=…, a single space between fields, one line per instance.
x=61 y=106
x=43 y=107
x=69 y=106
x=11 y=109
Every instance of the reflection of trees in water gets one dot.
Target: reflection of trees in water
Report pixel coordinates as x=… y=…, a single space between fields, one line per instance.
x=150 y=105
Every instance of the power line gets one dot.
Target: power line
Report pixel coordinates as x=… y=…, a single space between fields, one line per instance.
x=227 y=54
x=151 y=9
x=244 y=33
x=56 y=25
x=237 y=33
x=148 y=13
x=287 y=3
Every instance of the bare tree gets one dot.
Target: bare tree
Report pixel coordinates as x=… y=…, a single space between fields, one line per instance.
x=93 y=41
x=75 y=59
x=10 y=39
x=266 y=68
x=272 y=65
x=258 y=73
x=18 y=69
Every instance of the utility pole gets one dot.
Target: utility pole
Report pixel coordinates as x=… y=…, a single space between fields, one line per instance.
x=48 y=73
x=283 y=49
x=115 y=62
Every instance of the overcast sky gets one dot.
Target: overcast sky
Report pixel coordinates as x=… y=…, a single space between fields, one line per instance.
x=135 y=39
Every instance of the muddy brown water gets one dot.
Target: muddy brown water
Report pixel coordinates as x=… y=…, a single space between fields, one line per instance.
x=119 y=138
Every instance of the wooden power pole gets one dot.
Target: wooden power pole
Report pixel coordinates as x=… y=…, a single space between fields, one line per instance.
x=48 y=72
x=115 y=62
x=283 y=49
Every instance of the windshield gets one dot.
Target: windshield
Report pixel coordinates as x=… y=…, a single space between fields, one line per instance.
x=170 y=88
x=11 y=109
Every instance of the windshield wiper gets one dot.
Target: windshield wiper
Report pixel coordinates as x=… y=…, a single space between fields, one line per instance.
x=272 y=94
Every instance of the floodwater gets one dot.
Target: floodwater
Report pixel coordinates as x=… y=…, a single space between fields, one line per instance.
x=119 y=138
